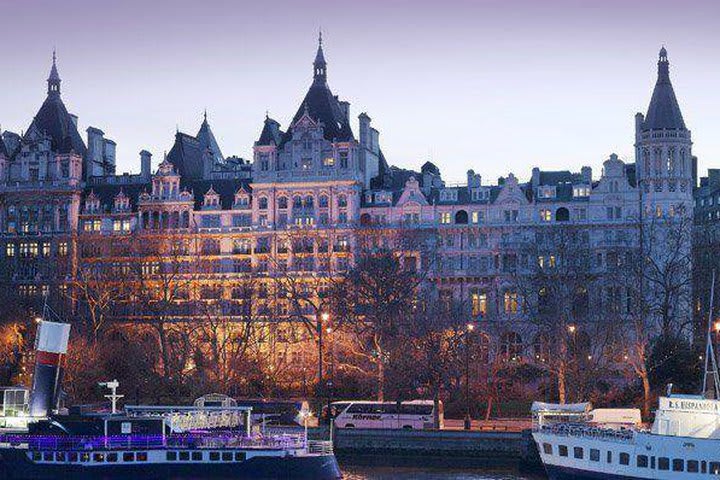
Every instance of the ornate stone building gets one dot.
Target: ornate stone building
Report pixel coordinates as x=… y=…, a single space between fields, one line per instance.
x=309 y=196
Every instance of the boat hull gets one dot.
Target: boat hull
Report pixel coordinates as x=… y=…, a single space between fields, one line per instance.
x=555 y=472
x=17 y=466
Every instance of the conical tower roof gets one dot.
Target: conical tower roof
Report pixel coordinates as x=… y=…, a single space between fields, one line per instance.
x=664 y=110
x=207 y=140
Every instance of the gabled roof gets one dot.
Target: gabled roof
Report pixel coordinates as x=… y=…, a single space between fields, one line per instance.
x=271 y=133
x=664 y=111
x=54 y=120
x=3 y=148
x=322 y=106
x=207 y=140
x=187 y=156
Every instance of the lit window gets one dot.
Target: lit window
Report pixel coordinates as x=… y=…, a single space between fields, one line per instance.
x=62 y=249
x=479 y=304
x=545 y=215
x=445 y=218
x=10 y=250
x=478 y=217
x=510 y=302
x=46 y=249
x=546 y=192
x=581 y=191
x=328 y=162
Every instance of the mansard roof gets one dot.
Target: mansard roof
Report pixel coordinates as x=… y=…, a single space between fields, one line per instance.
x=54 y=120
x=187 y=156
x=664 y=111
x=271 y=133
x=207 y=140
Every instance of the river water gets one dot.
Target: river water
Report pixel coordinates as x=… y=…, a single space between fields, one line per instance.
x=375 y=470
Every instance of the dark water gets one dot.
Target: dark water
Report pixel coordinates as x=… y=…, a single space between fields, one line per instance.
x=377 y=469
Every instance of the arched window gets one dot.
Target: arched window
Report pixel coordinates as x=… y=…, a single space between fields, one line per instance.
x=263 y=203
x=323 y=201
x=342 y=201
x=511 y=346
x=297 y=201
x=309 y=202
x=282 y=203
x=562 y=214
x=461 y=217
x=365 y=219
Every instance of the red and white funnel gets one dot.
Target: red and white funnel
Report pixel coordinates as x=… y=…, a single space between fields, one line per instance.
x=51 y=342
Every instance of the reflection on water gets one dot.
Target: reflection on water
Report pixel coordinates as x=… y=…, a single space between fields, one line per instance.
x=384 y=472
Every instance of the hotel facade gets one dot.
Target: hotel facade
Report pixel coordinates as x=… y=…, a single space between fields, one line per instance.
x=317 y=193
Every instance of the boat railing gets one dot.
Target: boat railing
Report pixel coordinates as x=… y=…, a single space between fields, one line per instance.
x=203 y=440
x=587 y=431
x=321 y=447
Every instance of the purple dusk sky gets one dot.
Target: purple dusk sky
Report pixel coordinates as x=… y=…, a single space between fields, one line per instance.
x=494 y=85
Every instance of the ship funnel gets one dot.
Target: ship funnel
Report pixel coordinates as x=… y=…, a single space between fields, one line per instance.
x=51 y=342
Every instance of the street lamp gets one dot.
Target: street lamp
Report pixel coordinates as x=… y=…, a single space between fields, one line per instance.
x=468 y=421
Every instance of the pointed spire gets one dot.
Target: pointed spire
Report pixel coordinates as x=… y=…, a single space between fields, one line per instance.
x=53 y=80
x=664 y=110
x=320 y=65
x=205 y=116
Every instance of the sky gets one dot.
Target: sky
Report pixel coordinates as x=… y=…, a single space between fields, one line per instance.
x=496 y=86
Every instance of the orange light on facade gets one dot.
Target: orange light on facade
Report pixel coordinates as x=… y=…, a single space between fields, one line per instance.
x=325 y=317
x=571 y=328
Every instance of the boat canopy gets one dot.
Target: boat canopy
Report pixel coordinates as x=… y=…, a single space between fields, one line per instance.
x=578 y=408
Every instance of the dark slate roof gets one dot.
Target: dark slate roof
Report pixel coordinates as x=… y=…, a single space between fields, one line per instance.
x=108 y=192
x=54 y=120
x=186 y=155
x=207 y=140
x=226 y=188
x=630 y=171
x=271 y=133
x=323 y=107
x=664 y=111
x=3 y=149
x=558 y=177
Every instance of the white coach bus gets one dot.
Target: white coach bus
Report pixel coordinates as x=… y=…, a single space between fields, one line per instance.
x=411 y=415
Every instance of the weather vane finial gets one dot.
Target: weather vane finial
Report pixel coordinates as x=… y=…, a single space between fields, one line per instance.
x=320 y=36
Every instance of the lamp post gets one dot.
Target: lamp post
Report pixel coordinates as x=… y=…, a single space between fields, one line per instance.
x=468 y=421
x=322 y=318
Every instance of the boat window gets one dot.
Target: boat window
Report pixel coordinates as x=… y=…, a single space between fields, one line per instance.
x=227 y=456
x=624 y=459
x=652 y=462
x=48 y=456
x=73 y=456
x=112 y=457
x=36 y=456
x=678 y=465
x=141 y=456
x=170 y=456
x=184 y=456
x=562 y=450
x=693 y=466
x=197 y=456
x=703 y=467
x=609 y=457
x=547 y=448
x=98 y=457
x=594 y=455
x=715 y=468
x=60 y=456
x=214 y=456
x=240 y=456
x=578 y=452
x=642 y=461
x=85 y=457
x=663 y=463
x=129 y=457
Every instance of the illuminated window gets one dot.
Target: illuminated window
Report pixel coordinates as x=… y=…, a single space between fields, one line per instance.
x=510 y=302
x=46 y=249
x=28 y=249
x=581 y=191
x=478 y=217
x=10 y=250
x=479 y=304
x=62 y=249
x=545 y=215
x=445 y=218
x=328 y=162
x=546 y=192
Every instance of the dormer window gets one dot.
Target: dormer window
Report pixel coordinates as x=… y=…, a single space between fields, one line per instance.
x=480 y=194
x=448 y=195
x=211 y=199
x=328 y=162
x=546 y=192
x=580 y=191
x=122 y=203
x=92 y=203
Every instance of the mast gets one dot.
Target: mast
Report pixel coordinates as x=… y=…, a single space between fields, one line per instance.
x=711 y=370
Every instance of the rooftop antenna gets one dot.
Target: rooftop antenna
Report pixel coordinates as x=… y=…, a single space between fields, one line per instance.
x=711 y=370
x=113 y=397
